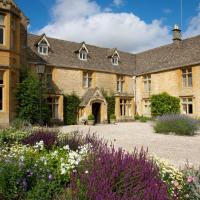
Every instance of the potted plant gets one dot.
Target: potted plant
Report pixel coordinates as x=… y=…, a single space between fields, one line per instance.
x=91 y=119
x=112 y=118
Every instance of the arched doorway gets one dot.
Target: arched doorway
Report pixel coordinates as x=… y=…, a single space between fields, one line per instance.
x=96 y=111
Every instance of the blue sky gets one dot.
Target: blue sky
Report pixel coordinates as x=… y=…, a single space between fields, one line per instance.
x=149 y=15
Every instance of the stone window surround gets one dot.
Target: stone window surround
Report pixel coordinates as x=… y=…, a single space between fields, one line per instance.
x=125 y=107
x=147 y=83
x=2 y=90
x=53 y=102
x=2 y=27
x=187 y=77
x=120 y=83
x=187 y=105
x=87 y=79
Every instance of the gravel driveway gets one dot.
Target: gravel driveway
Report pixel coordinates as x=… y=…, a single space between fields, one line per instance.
x=177 y=149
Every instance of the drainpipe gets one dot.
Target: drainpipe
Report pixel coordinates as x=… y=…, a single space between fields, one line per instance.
x=134 y=91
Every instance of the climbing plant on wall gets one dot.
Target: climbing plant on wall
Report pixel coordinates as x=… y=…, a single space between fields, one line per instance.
x=71 y=106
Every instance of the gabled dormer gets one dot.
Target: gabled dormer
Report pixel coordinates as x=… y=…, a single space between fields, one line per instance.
x=115 y=58
x=83 y=52
x=43 y=46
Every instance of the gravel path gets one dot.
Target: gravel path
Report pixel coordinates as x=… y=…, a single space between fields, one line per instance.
x=177 y=149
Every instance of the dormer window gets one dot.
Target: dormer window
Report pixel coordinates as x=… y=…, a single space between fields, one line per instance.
x=43 y=48
x=83 y=54
x=115 y=60
x=2 y=29
x=43 y=45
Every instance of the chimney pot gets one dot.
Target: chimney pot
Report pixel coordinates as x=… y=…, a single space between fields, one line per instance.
x=176 y=33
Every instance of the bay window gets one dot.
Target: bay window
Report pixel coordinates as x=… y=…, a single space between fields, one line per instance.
x=125 y=107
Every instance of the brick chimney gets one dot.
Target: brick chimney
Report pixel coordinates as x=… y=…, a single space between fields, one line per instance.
x=177 y=37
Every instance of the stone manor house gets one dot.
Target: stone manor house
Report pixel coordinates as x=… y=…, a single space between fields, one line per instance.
x=87 y=70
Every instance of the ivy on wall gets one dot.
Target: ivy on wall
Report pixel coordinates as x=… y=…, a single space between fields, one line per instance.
x=164 y=103
x=71 y=107
x=111 y=105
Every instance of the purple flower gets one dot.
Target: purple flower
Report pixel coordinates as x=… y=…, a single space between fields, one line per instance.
x=190 y=179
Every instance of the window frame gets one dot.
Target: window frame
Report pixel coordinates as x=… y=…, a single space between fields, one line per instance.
x=147 y=83
x=2 y=85
x=42 y=47
x=125 y=107
x=83 y=55
x=87 y=78
x=2 y=26
x=120 y=83
x=187 y=102
x=54 y=103
x=187 y=77
x=147 y=107
x=115 y=60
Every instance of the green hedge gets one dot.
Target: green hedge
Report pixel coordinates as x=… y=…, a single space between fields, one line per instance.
x=71 y=106
x=164 y=103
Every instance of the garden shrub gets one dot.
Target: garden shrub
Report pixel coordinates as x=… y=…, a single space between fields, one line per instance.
x=91 y=117
x=113 y=116
x=12 y=135
x=48 y=137
x=164 y=103
x=28 y=96
x=175 y=123
x=71 y=106
x=116 y=175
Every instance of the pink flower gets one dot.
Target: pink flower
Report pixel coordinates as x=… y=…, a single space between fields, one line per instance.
x=190 y=179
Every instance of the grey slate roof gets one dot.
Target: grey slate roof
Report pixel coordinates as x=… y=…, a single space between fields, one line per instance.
x=62 y=54
x=87 y=96
x=175 y=55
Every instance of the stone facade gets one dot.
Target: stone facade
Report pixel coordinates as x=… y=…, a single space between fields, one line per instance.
x=91 y=71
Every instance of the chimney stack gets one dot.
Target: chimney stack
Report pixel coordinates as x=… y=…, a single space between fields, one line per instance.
x=176 y=34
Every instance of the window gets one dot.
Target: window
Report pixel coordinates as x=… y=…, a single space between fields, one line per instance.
x=120 y=83
x=49 y=79
x=1 y=89
x=2 y=27
x=125 y=107
x=43 y=48
x=147 y=83
x=87 y=79
x=13 y=34
x=147 y=108
x=187 y=77
x=115 y=60
x=83 y=54
x=187 y=105
x=53 y=105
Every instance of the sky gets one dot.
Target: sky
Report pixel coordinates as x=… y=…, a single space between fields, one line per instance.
x=128 y=25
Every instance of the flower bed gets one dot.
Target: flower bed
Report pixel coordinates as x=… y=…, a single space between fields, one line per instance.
x=69 y=166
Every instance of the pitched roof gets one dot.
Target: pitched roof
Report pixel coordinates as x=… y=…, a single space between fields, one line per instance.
x=175 y=55
x=63 y=54
x=171 y=56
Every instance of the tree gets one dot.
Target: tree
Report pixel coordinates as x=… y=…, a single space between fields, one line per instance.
x=28 y=96
x=164 y=103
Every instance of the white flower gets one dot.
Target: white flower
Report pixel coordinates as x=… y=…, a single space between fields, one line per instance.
x=66 y=148
x=86 y=172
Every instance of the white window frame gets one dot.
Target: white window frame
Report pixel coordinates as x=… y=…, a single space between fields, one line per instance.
x=87 y=79
x=41 y=49
x=186 y=75
x=115 y=60
x=2 y=26
x=83 y=55
x=120 y=83
x=187 y=102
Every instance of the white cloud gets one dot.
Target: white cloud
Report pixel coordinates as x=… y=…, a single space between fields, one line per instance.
x=85 y=20
x=194 y=27
x=118 y=2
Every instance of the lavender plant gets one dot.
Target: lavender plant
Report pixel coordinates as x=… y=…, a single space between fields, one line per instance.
x=178 y=124
x=117 y=175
